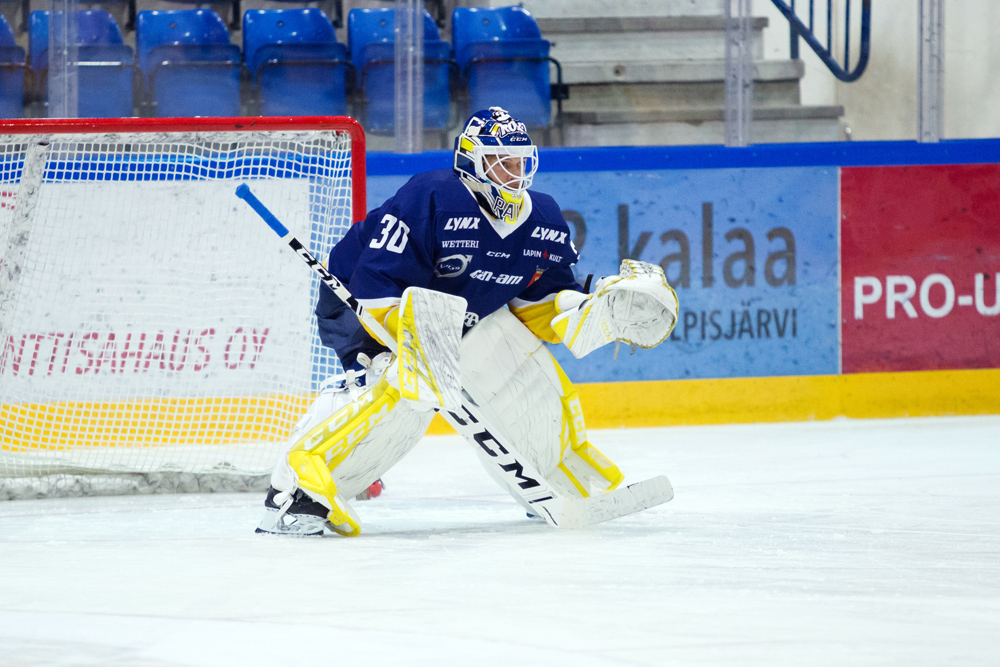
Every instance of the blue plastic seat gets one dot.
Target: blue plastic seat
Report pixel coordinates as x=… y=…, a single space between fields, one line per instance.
x=295 y=61
x=371 y=38
x=11 y=73
x=504 y=60
x=189 y=66
x=105 y=63
x=234 y=16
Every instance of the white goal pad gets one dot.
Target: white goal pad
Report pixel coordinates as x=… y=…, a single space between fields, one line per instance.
x=152 y=334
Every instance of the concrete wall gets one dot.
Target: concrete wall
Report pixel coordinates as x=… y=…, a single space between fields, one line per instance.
x=883 y=103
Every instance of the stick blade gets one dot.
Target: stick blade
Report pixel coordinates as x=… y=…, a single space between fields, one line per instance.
x=580 y=512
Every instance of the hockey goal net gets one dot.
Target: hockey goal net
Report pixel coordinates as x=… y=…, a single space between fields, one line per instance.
x=155 y=336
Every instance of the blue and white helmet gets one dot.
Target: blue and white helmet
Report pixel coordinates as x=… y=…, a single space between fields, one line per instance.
x=494 y=156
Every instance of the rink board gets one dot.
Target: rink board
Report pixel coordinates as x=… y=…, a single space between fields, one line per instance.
x=780 y=399
x=756 y=341
x=770 y=249
x=934 y=256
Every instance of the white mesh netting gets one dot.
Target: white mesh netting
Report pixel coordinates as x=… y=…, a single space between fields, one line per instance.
x=154 y=336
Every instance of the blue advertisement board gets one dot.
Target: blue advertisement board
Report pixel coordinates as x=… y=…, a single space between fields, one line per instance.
x=752 y=253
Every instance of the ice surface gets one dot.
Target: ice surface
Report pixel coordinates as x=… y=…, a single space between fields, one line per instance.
x=830 y=543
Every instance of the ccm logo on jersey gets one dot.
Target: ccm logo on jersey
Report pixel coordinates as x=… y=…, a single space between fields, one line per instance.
x=493 y=253
x=452 y=266
x=549 y=235
x=462 y=223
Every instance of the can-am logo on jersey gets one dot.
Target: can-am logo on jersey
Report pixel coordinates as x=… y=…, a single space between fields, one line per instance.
x=471 y=319
x=452 y=266
x=549 y=235
x=462 y=223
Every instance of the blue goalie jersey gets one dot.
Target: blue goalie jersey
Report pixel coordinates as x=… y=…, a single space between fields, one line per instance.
x=433 y=234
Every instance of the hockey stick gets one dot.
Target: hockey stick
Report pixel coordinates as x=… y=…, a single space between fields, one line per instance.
x=522 y=478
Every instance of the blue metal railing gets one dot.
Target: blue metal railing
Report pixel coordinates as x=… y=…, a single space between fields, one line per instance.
x=797 y=29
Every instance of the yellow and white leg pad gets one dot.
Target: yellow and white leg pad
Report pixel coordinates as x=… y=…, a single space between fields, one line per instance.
x=428 y=338
x=313 y=477
x=526 y=396
x=348 y=450
x=637 y=307
x=336 y=392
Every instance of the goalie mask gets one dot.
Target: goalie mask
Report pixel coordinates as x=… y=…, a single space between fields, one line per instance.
x=494 y=156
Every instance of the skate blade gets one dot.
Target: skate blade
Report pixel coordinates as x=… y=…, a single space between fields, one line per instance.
x=302 y=525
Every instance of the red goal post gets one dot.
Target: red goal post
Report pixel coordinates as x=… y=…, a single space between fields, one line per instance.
x=152 y=335
x=344 y=124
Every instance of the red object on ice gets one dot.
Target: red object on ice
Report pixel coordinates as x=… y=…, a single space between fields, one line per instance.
x=373 y=491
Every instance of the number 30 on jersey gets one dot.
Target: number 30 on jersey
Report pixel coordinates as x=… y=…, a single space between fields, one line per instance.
x=399 y=235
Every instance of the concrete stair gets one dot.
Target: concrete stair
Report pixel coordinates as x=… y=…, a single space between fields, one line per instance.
x=652 y=72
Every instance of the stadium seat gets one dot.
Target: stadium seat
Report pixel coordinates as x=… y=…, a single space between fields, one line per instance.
x=371 y=38
x=334 y=9
x=297 y=65
x=189 y=66
x=505 y=62
x=234 y=8
x=104 y=71
x=123 y=11
x=11 y=73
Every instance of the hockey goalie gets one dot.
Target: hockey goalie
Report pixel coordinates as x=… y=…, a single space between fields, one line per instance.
x=468 y=272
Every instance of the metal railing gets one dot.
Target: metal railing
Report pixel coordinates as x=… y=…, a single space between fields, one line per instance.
x=798 y=28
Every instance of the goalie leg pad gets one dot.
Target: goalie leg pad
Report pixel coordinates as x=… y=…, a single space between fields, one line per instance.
x=582 y=463
x=527 y=397
x=428 y=338
x=313 y=477
x=336 y=392
x=348 y=450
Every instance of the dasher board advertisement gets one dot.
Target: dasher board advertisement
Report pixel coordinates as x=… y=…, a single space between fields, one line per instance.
x=752 y=254
x=921 y=267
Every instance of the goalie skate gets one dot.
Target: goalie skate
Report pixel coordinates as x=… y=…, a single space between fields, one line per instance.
x=293 y=514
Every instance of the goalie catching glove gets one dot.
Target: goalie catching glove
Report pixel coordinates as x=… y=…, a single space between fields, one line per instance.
x=637 y=307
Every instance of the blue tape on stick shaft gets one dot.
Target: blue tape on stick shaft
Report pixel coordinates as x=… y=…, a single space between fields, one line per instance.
x=243 y=192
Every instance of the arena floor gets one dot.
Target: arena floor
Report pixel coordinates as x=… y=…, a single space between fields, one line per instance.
x=829 y=543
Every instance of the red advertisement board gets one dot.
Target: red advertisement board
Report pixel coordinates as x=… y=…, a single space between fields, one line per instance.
x=920 y=276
